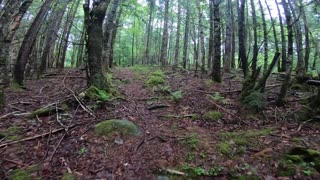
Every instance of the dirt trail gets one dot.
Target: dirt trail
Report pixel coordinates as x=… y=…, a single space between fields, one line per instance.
x=175 y=135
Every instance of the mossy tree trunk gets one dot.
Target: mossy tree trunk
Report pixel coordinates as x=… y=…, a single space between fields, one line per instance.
x=94 y=19
x=2 y=99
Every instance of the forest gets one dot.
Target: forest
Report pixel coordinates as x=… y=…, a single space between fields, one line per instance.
x=159 y=89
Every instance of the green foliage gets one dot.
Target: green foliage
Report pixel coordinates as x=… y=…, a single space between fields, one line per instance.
x=83 y=150
x=199 y=171
x=254 y=101
x=115 y=126
x=192 y=141
x=225 y=148
x=155 y=81
x=217 y=97
x=140 y=69
x=176 y=96
x=212 y=116
x=19 y=174
x=94 y=93
x=68 y=176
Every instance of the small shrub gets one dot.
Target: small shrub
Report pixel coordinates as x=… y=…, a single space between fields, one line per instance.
x=217 y=97
x=19 y=174
x=176 y=96
x=212 y=116
x=192 y=141
x=68 y=176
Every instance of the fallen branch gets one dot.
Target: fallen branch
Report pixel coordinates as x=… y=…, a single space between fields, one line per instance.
x=158 y=106
x=34 y=137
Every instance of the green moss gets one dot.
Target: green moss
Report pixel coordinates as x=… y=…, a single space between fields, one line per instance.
x=68 y=176
x=212 y=116
x=240 y=140
x=155 y=80
x=94 y=93
x=16 y=87
x=192 y=141
x=176 y=96
x=13 y=130
x=19 y=174
x=158 y=73
x=254 y=101
x=241 y=150
x=312 y=152
x=286 y=168
x=296 y=139
x=225 y=148
x=140 y=69
x=248 y=177
x=115 y=126
x=294 y=158
x=42 y=112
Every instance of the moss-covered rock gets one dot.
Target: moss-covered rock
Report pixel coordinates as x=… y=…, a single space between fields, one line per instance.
x=254 y=101
x=94 y=93
x=115 y=126
x=212 y=116
x=68 y=176
x=19 y=174
x=155 y=80
x=286 y=168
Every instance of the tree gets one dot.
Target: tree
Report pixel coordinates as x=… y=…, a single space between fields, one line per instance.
x=228 y=41
x=285 y=84
x=149 y=31
x=255 y=38
x=202 y=49
x=94 y=17
x=216 y=65
x=28 y=44
x=164 y=45
x=265 y=38
x=242 y=40
x=177 y=46
x=186 y=36
x=283 y=41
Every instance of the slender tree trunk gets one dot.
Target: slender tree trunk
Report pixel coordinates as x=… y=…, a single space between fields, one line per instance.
x=202 y=49
x=274 y=33
x=133 y=40
x=177 y=46
x=94 y=19
x=210 y=49
x=265 y=38
x=228 y=41
x=28 y=42
x=216 y=65
x=301 y=70
x=255 y=38
x=54 y=25
x=284 y=87
x=283 y=42
x=242 y=40
x=149 y=32
x=114 y=34
x=66 y=34
x=233 y=39
x=164 y=46
x=306 y=37
x=186 y=37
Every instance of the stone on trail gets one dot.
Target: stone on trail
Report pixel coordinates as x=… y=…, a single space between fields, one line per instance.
x=116 y=126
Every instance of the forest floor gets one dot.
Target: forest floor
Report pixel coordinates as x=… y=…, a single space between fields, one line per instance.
x=178 y=140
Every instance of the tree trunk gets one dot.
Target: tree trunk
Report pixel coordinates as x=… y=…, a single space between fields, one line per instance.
x=228 y=41
x=177 y=46
x=216 y=65
x=110 y=27
x=94 y=20
x=149 y=31
x=28 y=42
x=114 y=34
x=265 y=38
x=255 y=38
x=301 y=70
x=210 y=49
x=164 y=45
x=283 y=42
x=284 y=87
x=66 y=33
x=51 y=37
x=186 y=37
x=242 y=40
x=202 y=49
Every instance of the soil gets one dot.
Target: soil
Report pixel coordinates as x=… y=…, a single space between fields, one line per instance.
x=175 y=138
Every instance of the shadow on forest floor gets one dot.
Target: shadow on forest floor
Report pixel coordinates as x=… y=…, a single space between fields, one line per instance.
x=190 y=128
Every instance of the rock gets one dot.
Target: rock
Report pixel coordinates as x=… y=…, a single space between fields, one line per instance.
x=116 y=126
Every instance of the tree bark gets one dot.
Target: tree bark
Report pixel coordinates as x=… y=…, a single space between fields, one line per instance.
x=242 y=40
x=202 y=46
x=228 y=41
x=177 y=46
x=216 y=65
x=28 y=42
x=283 y=42
x=164 y=45
x=255 y=38
x=186 y=37
x=265 y=38
x=149 y=32
x=93 y=20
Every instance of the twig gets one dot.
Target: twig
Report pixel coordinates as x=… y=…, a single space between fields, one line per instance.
x=56 y=148
x=9 y=114
x=15 y=162
x=226 y=111
x=33 y=137
x=299 y=128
